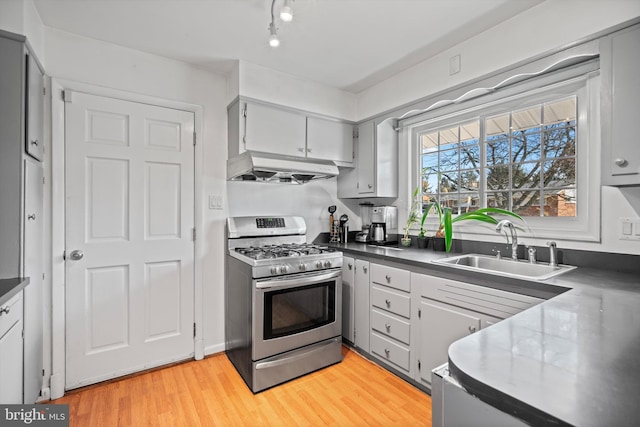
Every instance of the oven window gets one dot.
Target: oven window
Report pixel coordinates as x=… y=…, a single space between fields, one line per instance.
x=290 y=311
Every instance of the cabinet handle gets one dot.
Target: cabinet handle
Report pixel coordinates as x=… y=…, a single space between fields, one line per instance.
x=621 y=162
x=388 y=278
x=472 y=329
x=386 y=351
x=301 y=150
x=388 y=302
x=308 y=150
x=5 y=310
x=350 y=266
x=34 y=142
x=388 y=326
x=364 y=269
x=369 y=185
x=32 y=216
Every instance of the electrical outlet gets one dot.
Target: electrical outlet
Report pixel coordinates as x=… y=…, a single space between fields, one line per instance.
x=215 y=202
x=629 y=228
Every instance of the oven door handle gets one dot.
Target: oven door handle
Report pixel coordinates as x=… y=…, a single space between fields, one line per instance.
x=297 y=281
x=286 y=360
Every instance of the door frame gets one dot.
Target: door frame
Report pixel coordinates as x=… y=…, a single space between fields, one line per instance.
x=58 y=215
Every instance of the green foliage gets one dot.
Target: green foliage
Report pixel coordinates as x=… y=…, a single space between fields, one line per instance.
x=413 y=216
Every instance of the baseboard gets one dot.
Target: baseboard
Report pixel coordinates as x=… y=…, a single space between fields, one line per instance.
x=212 y=349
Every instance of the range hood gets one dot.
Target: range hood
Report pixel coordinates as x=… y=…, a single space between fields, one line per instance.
x=267 y=167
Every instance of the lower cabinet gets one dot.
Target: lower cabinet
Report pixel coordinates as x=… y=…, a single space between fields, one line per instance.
x=348 y=299
x=361 y=305
x=11 y=351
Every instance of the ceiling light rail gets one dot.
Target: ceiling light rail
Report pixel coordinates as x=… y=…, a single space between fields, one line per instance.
x=286 y=15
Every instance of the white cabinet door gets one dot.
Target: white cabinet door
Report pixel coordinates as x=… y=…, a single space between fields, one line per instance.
x=366 y=157
x=35 y=109
x=348 y=298
x=362 y=308
x=440 y=326
x=274 y=130
x=129 y=180
x=32 y=268
x=11 y=365
x=329 y=140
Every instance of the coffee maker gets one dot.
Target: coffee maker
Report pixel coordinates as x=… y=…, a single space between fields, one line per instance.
x=384 y=225
x=365 y=215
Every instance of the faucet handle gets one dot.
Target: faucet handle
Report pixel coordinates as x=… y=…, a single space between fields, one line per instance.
x=532 y=254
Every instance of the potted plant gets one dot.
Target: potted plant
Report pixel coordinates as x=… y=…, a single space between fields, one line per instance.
x=412 y=218
x=423 y=240
x=484 y=215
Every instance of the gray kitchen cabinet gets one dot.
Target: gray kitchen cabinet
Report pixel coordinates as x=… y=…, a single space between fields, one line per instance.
x=391 y=316
x=348 y=298
x=259 y=126
x=11 y=351
x=620 y=103
x=376 y=162
x=361 y=305
x=21 y=174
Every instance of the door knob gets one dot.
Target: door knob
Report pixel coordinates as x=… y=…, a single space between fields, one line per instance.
x=76 y=255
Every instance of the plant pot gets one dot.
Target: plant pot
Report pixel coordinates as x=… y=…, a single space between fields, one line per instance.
x=423 y=242
x=405 y=242
x=438 y=244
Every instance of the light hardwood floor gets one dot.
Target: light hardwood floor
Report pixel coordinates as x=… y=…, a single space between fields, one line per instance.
x=210 y=392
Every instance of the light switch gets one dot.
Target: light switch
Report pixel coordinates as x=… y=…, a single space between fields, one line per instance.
x=454 y=65
x=629 y=229
x=626 y=228
x=215 y=201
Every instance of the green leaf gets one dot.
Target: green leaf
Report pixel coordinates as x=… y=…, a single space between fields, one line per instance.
x=448 y=229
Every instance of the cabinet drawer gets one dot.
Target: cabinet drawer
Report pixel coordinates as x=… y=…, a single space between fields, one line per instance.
x=390 y=351
x=10 y=313
x=392 y=301
x=390 y=326
x=392 y=277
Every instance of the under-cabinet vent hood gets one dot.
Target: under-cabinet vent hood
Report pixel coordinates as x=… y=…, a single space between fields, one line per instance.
x=266 y=167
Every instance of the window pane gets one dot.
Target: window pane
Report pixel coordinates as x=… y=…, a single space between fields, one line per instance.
x=450 y=201
x=498 y=200
x=449 y=160
x=449 y=138
x=430 y=162
x=469 y=157
x=429 y=183
x=469 y=202
x=497 y=127
x=470 y=131
x=526 y=203
x=561 y=203
x=560 y=111
x=498 y=178
x=560 y=173
x=526 y=175
x=470 y=180
x=429 y=142
x=449 y=182
x=525 y=146
x=526 y=119
x=497 y=152
x=560 y=142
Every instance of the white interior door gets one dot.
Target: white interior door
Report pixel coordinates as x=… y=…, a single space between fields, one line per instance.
x=129 y=185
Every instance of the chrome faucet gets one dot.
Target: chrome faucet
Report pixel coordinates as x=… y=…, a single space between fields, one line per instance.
x=553 y=259
x=514 y=236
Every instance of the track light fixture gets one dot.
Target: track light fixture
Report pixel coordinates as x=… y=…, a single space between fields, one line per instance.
x=286 y=15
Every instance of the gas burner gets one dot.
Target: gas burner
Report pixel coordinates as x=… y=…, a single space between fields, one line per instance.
x=283 y=250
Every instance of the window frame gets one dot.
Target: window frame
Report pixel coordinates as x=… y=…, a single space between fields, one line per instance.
x=586 y=87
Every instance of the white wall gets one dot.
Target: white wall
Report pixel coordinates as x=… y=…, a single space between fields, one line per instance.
x=21 y=17
x=541 y=29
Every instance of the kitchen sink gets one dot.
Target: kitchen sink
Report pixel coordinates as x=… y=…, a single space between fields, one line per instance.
x=504 y=266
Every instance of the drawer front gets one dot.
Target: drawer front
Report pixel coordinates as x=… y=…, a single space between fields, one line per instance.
x=390 y=326
x=390 y=351
x=10 y=313
x=392 y=277
x=390 y=300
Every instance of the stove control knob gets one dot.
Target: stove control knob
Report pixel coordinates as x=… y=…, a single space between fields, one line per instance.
x=274 y=270
x=302 y=267
x=319 y=264
x=327 y=264
x=284 y=269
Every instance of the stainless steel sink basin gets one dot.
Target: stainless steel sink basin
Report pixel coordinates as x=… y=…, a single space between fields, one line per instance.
x=504 y=267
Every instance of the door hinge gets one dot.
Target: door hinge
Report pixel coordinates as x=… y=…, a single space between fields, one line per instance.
x=194 y=330
x=194 y=138
x=244 y=111
x=43 y=372
x=418 y=365
x=67 y=95
x=193 y=234
x=64 y=255
x=419 y=313
x=44 y=91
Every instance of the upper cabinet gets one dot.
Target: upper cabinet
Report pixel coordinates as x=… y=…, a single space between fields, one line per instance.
x=620 y=105
x=376 y=163
x=35 y=108
x=268 y=128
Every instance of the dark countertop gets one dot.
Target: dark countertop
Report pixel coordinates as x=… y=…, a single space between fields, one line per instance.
x=571 y=360
x=10 y=287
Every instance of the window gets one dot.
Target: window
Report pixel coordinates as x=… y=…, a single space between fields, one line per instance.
x=527 y=152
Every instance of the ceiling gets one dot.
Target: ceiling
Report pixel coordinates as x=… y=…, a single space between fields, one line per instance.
x=346 y=44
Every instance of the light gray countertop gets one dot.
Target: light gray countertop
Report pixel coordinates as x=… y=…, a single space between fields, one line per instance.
x=10 y=287
x=571 y=360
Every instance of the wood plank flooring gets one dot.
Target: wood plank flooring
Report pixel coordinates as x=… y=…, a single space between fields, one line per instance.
x=210 y=392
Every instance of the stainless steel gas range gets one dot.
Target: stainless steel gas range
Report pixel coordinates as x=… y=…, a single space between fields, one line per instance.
x=283 y=300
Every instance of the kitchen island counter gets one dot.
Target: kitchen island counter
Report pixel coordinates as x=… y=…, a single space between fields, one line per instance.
x=571 y=360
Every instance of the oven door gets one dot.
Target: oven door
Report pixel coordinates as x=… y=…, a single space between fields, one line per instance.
x=294 y=311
